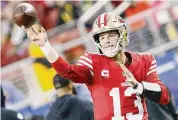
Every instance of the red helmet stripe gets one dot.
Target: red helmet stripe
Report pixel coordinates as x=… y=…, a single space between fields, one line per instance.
x=105 y=20
x=99 y=21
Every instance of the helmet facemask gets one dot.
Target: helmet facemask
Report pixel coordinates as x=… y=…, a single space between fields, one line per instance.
x=113 y=48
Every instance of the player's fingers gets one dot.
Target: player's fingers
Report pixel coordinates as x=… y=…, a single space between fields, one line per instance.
x=43 y=30
x=23 y=27
x=30 y=34
x=36 y=38
x=33 y=30
x=126 y=74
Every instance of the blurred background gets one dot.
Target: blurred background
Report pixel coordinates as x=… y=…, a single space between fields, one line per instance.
x=26 y=76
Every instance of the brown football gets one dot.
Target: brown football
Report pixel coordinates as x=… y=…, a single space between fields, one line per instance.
x=25 y=15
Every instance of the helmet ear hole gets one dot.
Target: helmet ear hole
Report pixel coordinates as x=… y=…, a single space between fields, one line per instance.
x=96 y=38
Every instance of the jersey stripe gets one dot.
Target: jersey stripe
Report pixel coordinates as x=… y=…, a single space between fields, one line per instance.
x=91 y=72
x=79 y=64
x=87 y=59
x=89 y=69
x=153 y=66
x=86 y=64
x=151 y=71
x=153 y=62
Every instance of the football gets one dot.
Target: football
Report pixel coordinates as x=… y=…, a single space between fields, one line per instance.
x=25 y=15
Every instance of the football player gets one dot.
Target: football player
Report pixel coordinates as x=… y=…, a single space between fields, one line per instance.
x=118 y=80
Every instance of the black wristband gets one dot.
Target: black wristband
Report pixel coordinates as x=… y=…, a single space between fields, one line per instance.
x=136 y=86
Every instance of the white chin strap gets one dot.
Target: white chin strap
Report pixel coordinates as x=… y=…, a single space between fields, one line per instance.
x=111 y=53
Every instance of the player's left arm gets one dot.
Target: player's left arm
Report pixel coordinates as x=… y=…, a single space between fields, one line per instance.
x=153 y=88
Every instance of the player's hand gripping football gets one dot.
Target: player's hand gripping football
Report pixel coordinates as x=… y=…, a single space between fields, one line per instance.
x=130 y=79
x=38 y=38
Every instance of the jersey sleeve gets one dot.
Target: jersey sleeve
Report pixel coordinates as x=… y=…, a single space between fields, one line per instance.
x=154 y=88
x=79 y=73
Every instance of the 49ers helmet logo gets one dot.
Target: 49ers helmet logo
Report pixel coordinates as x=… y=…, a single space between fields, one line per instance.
x=100 y=21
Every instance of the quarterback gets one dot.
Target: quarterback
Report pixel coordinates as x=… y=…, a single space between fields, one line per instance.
x=118 y=80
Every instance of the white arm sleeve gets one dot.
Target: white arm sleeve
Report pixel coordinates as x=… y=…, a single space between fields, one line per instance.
x=49 y=52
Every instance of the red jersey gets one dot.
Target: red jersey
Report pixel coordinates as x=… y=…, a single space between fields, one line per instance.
x=105 y=79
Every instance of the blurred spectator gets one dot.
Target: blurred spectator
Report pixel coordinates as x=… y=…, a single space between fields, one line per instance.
x=7 y=8
x=85 y=5
x=76 y=51
x=162 y=112
x=83 y=92
x=47 y=13
x=155 y=3
x=116 y=4
x=13 y=37
x=3 y=98
x=171 y=31
x=7 y=114
x=36 y=117
x=12 y=93
x=174 y=12
x=67 y=106
x=166 y=25
x=135 y=8
x=10 y=51
x=53 y=12
x=42 y=68
x=68 y=11
x=139 y=28
x=51 y=16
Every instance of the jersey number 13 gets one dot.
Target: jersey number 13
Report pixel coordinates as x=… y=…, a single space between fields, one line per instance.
x=115 y=93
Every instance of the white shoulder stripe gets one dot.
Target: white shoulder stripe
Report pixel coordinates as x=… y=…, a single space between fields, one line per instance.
x=89 y=69
x=87 y=59
x=153 y=62
x=151 y=71
x=153 y=66
x=91 y=72
x=86 y=64
x=79 y=64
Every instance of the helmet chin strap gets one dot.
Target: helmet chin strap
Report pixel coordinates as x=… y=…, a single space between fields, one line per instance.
x=111 y=53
